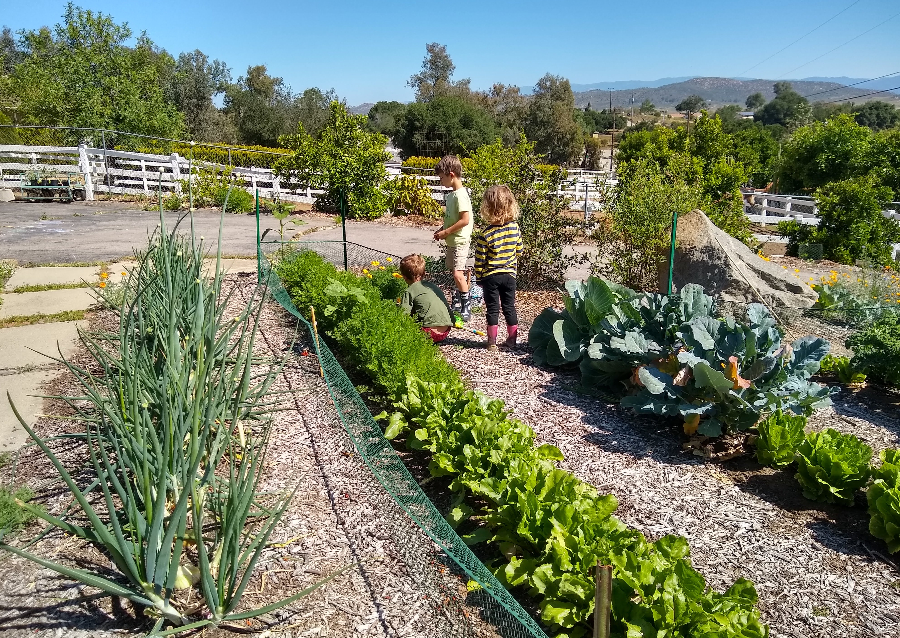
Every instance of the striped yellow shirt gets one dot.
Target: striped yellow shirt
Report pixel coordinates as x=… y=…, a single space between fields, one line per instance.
x=497 y=250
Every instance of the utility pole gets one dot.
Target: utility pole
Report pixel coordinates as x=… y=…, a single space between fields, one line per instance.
x=612 y=135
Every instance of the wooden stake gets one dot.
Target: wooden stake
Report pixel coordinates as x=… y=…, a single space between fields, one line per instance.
x=602 y=599
x=312 y=313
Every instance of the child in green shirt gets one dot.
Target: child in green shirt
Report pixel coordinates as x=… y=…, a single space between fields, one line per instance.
x=424 y=300
x=457 y=230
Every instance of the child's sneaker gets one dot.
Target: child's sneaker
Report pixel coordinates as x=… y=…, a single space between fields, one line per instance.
x=466 y=311
x=455 y=304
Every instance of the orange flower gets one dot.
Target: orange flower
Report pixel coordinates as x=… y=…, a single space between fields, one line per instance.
x=102 y=284
x=734 y=376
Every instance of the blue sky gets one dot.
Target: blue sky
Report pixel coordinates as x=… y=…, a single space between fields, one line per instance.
x=367 y=50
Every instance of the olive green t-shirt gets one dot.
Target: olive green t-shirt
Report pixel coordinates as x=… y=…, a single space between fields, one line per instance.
x=427 y=304
x=459 y=202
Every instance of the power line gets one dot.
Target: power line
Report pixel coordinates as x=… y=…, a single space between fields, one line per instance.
x=839 y=46
x=845 y=86
x=801 y=37
x=863 y=95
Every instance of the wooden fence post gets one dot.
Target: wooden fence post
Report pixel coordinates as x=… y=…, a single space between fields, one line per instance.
x=144 y=177
x=602 y=600
x=176 y=172
x=84 y=166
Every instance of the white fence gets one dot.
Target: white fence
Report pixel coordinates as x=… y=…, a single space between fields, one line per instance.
x=124 y=172
x=764 y=208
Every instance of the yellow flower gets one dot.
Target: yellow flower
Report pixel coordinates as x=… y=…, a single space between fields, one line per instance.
x=365 y=271
x=796 y=270
x=398 y=276
x=381 y=268
x=389 y=259
x=376 y=263
x=102 y=284
x=124 y=274
x=104 y=275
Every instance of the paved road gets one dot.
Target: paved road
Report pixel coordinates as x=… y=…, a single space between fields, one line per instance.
x=94 y=231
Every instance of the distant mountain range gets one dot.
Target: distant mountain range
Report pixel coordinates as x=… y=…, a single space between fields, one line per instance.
x=665 y=93
x=721 y=91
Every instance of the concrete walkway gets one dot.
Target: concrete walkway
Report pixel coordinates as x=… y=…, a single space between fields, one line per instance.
x=24 y=370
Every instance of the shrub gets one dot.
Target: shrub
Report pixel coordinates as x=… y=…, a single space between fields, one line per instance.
x=408 y=194
x=636 y=241
x=779 y=435
x=851 y=225
x=213 y=186
x=172 y=201
x=832 y=466
x=883 y=498
x=677 y=359
x=858 y=298
x=877 y=349
x=346 y=159
x=544 y=227
x=244 y=156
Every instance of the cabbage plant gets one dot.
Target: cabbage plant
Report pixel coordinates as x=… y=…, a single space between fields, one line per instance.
x=832 y=466
x=673 y=357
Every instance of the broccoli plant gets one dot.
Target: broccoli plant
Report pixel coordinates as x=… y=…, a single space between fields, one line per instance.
x=832 y=466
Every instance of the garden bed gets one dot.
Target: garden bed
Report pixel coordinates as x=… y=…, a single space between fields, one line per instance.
x=403 y=585
x=817 y=569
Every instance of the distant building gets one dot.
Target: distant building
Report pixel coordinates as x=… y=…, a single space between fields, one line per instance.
x=745 y=115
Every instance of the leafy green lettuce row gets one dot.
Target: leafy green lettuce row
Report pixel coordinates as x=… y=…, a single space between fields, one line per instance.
x=779 y=435
x=883 y=497
x=553 y=528
x=673 y=358
x=832 y=466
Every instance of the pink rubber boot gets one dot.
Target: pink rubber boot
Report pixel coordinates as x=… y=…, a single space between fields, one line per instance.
x=492 y=337
x=512 y=332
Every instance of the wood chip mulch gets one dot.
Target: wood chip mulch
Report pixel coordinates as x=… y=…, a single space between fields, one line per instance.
x=400 y=584
x=817 y=569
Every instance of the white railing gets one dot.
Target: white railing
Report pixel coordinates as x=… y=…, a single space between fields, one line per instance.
x=124 y=172
x=764 y=208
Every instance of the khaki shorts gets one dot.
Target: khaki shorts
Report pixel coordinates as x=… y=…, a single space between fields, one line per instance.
x=457 y=257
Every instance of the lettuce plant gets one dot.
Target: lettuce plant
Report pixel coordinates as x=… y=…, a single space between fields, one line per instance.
x=552 y=528
x=883 y=497
x=779 y=435
x=832 y=466
x=676 y=359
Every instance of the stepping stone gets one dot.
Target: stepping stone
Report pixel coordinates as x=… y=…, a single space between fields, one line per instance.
x=46 y=302
x=22 y=387
x=15 y=344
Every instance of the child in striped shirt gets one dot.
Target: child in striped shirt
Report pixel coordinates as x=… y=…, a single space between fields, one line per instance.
x=497 y=251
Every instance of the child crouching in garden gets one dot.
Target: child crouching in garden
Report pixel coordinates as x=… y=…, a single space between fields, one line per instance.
x=424 y=300
x=497 y=251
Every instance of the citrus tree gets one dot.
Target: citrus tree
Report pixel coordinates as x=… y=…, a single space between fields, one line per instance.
x=345 y=158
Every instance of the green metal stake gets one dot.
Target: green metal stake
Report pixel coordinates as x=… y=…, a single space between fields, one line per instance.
x=344 y=224
x=672 y=250
x=258 y=246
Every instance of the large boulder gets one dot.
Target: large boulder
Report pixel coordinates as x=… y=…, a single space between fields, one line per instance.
x=724 y=266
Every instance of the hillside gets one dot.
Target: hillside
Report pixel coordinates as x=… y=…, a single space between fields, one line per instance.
x=721 y=91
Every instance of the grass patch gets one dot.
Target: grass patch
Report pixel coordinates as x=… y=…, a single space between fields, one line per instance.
x=40 y=317
x=76 y=264
x=45 y=287
x=12 y=516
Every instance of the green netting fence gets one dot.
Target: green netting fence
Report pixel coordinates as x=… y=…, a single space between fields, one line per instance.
x=499 y=608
